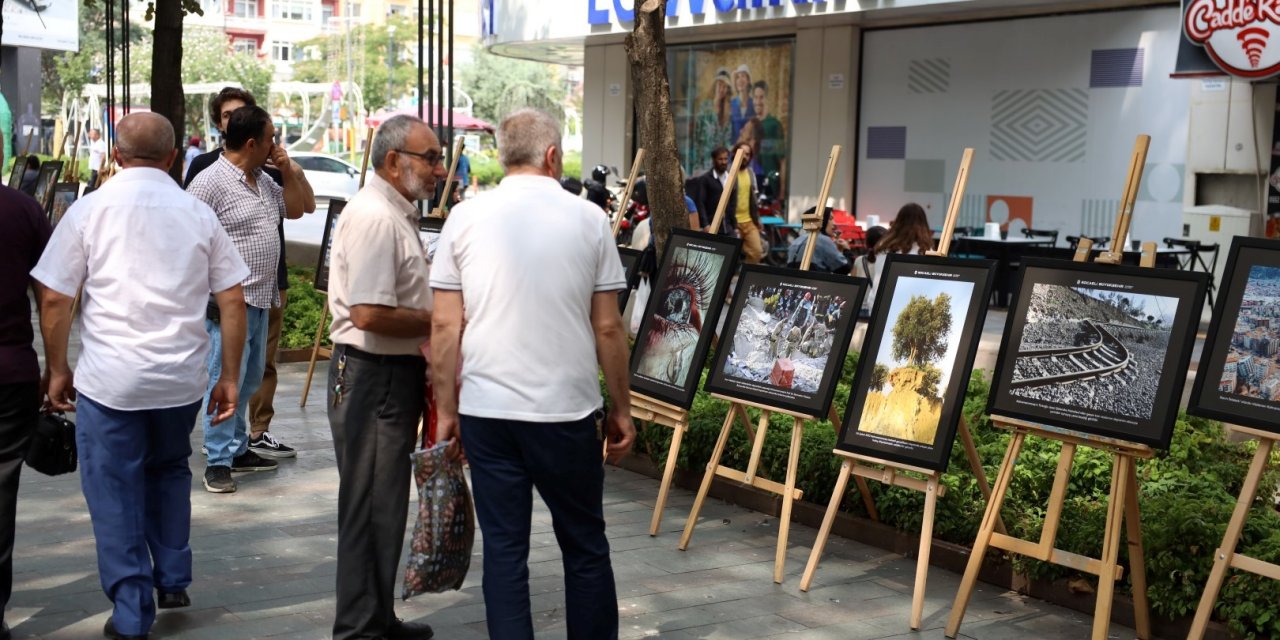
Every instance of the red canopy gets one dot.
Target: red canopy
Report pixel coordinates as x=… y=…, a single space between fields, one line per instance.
x=460 y=120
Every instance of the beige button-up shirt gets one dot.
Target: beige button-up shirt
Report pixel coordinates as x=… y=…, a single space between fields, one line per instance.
x=377 y=258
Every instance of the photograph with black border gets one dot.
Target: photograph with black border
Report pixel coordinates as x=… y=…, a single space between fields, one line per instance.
x=631 y=267
x=336 y=205
x=429 y=229
x=785 y=338
x=1098 y=349
x=1238 y=380
x=50 y=170
x=681 y=315
x=18 y=168
x=922 y=339
x=64 y=195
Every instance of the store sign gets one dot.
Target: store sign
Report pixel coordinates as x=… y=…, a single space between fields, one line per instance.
x=1241 y=36
x=606 y=11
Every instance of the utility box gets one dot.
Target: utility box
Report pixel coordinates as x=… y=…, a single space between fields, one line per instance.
x=1216 y=223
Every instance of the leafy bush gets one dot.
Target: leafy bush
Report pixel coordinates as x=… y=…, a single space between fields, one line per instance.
x=1186 y=495
x=485 y=170
x=302 y=314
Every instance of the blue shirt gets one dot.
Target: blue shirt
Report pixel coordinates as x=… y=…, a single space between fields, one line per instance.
x=826 y=255
x=464 y=170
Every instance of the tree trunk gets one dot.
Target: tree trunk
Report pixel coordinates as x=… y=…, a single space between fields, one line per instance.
x=647 y=53
x=167 y=98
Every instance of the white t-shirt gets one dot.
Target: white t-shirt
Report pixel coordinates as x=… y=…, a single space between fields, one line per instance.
x=873 y=271
x=148 y=256
x=527 y=257
x=97 y=150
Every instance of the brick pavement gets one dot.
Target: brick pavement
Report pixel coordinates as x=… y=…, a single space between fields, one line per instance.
x=264 y=566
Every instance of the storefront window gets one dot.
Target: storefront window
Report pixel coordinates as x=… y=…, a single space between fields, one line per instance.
x=724 y=93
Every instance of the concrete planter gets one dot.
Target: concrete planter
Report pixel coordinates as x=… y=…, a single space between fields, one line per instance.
x=285 y=356
x=953 y=557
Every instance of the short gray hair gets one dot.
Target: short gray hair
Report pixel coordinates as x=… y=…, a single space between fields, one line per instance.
x=392 y=135
x=144 y=136
x=524 y=136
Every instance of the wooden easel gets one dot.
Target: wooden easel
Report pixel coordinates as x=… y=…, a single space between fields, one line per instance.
x=1226 y=556
x=626 y=191
x=893 y=473
x=448 y=182
x=812 y=223
x=1122 y=506
x=650 y=410
x=73 y=171
x=317 y=350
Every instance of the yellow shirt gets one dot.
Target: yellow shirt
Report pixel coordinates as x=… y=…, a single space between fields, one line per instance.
x=742 y=212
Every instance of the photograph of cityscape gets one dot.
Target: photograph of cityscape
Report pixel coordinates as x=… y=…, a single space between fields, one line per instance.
x=1252 y=367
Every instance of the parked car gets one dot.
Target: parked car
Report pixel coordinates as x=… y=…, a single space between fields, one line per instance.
x=329 y=177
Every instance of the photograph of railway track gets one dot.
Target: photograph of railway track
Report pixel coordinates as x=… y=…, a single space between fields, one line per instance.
x=1242 y=351
x=916 y=360
x=1093 y=349
x=785 y=338
x=1099 y=349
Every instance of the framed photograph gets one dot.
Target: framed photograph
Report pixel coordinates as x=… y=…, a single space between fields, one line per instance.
x=49 y=172
x=785 y=338
x=326 y=243
x=1099 y=349
x=64 y=193
x=630 y=266
x=1239 y=376
x=429 y=229
x=15 y=173
x=924 y=331
x=680 y=318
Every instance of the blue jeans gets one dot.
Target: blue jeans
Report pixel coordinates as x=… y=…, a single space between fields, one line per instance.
x=230 y=438
x=136 y=481
x=562 y=460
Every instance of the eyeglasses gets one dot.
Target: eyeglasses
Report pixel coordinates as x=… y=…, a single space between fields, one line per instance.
x=430 y=157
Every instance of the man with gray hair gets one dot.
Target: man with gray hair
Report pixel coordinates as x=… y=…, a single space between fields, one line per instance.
x=537 y=273
x=147 y=256
x=381 y=307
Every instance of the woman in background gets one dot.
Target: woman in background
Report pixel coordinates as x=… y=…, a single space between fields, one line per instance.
x=909 y=233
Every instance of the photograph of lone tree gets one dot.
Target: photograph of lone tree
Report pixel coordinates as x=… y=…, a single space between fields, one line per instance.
x=915 y=359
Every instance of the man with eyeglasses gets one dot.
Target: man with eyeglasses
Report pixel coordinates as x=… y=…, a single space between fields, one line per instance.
x=381 y=306
x=250 y=206
x=296 y=194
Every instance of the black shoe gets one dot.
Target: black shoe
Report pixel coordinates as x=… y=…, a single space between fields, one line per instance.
x=217 y=479
x=250 y=461
x=110 y=631
x=401 y=630
x=267 y=446
x=4 y=632
x=175 y=600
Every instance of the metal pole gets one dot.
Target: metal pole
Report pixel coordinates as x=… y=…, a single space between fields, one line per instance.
x=441 y=98
x=449 y=106
x=421 y=63
x=430 y=61
x=124 y=52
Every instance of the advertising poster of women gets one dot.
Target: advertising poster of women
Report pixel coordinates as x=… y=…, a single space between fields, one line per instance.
x=725 y=93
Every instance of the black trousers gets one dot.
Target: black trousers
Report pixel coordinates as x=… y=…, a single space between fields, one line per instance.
x=374 y=422
x=19 y=410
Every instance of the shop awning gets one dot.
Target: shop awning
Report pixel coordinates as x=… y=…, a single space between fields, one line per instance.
x=461 y=120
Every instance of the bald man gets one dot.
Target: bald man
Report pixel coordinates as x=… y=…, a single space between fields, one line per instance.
x=147 y=255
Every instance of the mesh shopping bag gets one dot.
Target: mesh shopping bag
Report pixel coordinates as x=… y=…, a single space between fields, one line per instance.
x=440 y=551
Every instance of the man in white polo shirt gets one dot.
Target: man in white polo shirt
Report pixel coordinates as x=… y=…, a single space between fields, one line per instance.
x=537 y=272
x=147 y=256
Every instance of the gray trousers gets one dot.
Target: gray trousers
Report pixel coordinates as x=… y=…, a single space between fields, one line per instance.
x=374 y=430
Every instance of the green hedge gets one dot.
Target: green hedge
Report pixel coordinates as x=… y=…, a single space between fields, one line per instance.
x=302 y=314
x=1186 y=495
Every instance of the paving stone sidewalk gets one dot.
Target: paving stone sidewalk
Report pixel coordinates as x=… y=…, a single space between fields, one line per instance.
x=264 y=566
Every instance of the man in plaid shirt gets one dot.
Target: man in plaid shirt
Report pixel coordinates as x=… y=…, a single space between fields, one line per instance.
x=249 y=205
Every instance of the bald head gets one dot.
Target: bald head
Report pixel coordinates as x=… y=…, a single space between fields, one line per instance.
x=145 y=140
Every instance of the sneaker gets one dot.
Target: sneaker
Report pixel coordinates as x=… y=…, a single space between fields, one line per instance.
x=217 y=479
x=174 y=600
x=250 y=461
x=268 y=446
